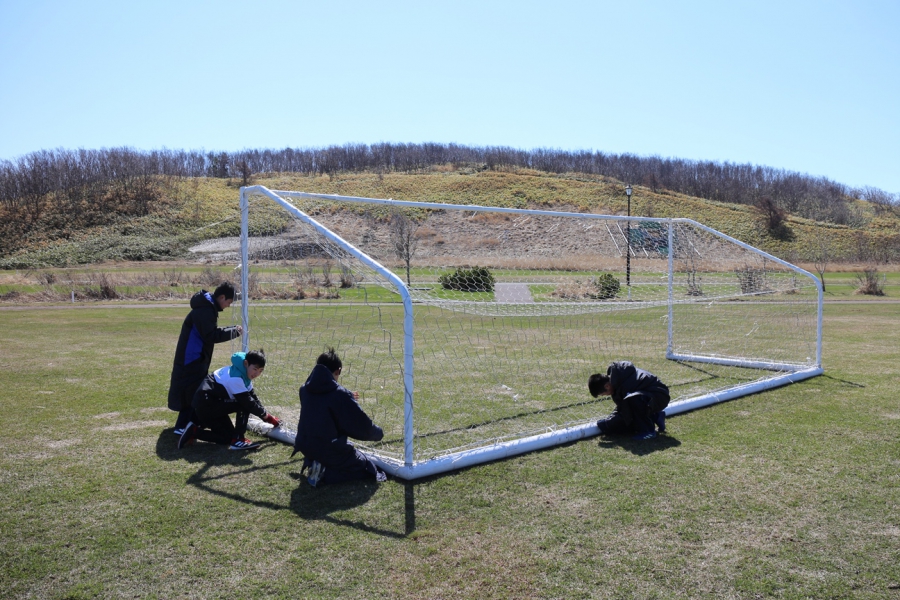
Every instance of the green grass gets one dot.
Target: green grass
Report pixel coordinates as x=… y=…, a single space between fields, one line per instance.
x=793 y=493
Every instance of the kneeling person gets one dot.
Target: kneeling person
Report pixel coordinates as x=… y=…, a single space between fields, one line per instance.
x=640 y=399
x=329 y=414
x=225 y=391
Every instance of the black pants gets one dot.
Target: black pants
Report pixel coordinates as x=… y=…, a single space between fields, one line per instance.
x=214 y=424
x=634 y=414
x=341 y=459
x=187 y=398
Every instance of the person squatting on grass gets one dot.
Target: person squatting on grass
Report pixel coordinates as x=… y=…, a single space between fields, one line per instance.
x=228 y=390
x=329 y=414
x=193 y=353
x=640 y=399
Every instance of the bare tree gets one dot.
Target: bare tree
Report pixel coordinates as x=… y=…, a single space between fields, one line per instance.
x=403 y=238
x=879 y=199
x=246 y=173
x=821 y=258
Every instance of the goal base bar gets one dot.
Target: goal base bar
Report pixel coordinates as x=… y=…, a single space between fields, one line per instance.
x=461 y=460
x=738 y=362
x=741 y=390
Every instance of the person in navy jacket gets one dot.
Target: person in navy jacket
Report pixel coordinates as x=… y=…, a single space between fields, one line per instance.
x=329 y=414
x=200 y=332
x=640 y=398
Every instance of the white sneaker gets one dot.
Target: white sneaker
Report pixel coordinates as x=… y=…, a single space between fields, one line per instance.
x=316 y=471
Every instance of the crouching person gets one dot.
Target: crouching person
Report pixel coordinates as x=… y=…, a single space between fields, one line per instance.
x=329 y=414
x=225 y=391
x=640 y=399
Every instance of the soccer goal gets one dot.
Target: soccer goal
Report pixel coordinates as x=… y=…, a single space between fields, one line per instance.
x=470 y=331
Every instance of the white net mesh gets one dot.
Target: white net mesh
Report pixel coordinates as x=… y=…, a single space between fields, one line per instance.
x=512 y=312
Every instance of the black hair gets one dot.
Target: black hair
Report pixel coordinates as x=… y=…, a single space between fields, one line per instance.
x=224 y=289
x=330 y=359
x=256 y=357
x=597 y=384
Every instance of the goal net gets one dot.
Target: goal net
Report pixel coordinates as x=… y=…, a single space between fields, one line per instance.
x=470 y=332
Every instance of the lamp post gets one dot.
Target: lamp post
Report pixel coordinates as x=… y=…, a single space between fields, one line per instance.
x=628 y=242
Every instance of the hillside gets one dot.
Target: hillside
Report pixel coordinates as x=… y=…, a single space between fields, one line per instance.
x=178 y=213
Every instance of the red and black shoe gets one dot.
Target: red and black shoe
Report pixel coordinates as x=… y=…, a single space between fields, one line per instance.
x=243 y=444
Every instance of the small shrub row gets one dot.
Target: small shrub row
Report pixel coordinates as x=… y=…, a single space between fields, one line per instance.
x=603 y=287
x=477 y=279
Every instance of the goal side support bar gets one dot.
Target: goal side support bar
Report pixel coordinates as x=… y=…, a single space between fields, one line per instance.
x=767 y=256
x=365 y=259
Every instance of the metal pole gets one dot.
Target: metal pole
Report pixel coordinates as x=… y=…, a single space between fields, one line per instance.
x=628 y=243
x=245 y=270
x=628 y=246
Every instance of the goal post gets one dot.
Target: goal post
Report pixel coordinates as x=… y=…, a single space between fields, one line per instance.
x=470 y=331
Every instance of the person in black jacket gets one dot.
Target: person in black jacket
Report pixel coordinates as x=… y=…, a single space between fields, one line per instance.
x=640 y=398
x=225 y=391
x=193 y=353
x=329 y=414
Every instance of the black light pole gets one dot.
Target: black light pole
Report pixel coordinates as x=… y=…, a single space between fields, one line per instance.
x=628 y=242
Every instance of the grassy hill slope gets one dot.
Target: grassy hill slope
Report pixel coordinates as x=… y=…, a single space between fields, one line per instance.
x=188 y=211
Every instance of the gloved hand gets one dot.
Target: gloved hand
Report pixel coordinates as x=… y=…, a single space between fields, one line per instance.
x=272 y=420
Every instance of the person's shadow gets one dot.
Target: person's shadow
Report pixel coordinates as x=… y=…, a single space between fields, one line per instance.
x=210 y=457
x=320 y=503
x=307 y=502
x=639 y=447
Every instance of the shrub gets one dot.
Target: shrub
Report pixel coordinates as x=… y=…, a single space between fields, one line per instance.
x=604 y=286
x=869 y=283
x=752 y=280
x=477 y=279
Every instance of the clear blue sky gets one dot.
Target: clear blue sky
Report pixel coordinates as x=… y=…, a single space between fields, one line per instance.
x=808 y=86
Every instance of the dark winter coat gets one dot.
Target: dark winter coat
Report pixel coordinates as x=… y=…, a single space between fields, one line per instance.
x=328 y=413
x=626 y=379
x=193 y=354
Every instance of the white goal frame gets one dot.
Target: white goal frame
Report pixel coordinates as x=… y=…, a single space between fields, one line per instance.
x=409 y=468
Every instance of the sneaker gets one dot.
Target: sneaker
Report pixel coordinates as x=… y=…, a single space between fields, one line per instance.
x=188 y=436
x=179 y=431
x=243 y=444
x=660 y=420
x=647 y=435
x=316 y=471
x=380 y=476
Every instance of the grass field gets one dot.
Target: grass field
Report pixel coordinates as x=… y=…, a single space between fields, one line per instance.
x=794 y=493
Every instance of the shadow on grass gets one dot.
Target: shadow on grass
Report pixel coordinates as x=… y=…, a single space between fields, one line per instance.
x=639 y=447
x=211 y=456
x=307 y=502
x=844 y=381
x=319 y=504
